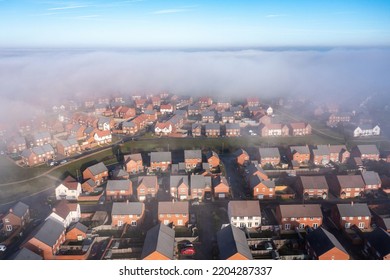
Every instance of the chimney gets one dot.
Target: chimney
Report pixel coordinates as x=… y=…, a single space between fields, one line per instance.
x=127 y=201
x=351 y=203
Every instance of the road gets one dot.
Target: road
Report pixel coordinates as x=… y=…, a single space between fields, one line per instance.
x=235 y=179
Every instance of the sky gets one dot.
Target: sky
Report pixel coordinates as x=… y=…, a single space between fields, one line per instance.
x=193 y=23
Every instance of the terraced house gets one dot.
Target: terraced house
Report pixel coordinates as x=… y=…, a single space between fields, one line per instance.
x=127 y=213
x=313 y=187
x=291 y=217
x=119 y=190
x=176 y=213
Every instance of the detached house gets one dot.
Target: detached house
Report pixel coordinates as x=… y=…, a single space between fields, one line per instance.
x=200 y=185
x=321 y=155
x=130 y=128
x=269 y=156
x=212 y=159
x=213 y=130
x=166 y=109
x=179 y=187
x=16 y=145
x=313 y=187
x=133 y=163
x=208 y=116
x=41 y=138
x=105 y=123
x=66 y=213
x=300 y=128
x=232 y=129
x=119 y=190
x=300 y=154
x=193 y=159
x=242 y=157
x=227 y=117
x=232 y=244
x=97 y=172
x=147 y=187
x=102 y=137
x=261 y=189
x=160 y=161
x=354 y=214
x=77 y=231
x=194 y=110
x=349 y=186
x=339 y=153
x=366 y=152
x=127 y=213
x=17 y=218
x=163 y=128
x=176 y=213
x=366 y=130
x=196 y=129
x=221 y=187
x=292 y=217
x=372 y=181
x=69 y=189
x=37 y=155
x=244 y=213
x=159 y=243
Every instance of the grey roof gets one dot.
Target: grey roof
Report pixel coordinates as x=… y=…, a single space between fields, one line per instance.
x=337 y=148
x=366 y=126
x=91 y=182
x=205 y=166
x=212 y=126
x=26 y=153
x=196 y=125
x=47 y=148
x=168 y=207
x=244 y=208
x=18 y=140
x=68 y=143
x=176 y=180
x=254 y=180
x=269 y=184
x=182 y=166
x=232 y=240
x=19 y=209
x=103 y=120
x=240 y=152
x=380 y=240
x=119 y=172
x=160 y=157
x=200 y=182
x=148 y=181
x=118 y=185
x=50 y=232
x=128 y=124
x=227 y=114
x=161 y=239
x=26 y=254
x=78 y=226
x=269 y=153
x=232 y=126
x=321 y=150
x=300 y=149
x=41 y=135
x=235 y=108
x=135 y=157
x=181 y=112
x=127 y=208
x=208 y=114
x=192 y=154
x=321 y=241
x=210 y=154
x=98 y=168
x=368 y=149
x=254 y=167
x=371 y=178
x=300 y=210
x=353 y=210
x=314 y=182
x=350 y=181
x=193 y=107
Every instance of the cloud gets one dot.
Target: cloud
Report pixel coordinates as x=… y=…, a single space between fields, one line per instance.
x=67 y=7
x=170 y=11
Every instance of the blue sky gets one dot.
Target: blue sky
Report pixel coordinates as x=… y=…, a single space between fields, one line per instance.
x=192 y=23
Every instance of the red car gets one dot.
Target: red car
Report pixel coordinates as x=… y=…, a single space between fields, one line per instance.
x=188 y=251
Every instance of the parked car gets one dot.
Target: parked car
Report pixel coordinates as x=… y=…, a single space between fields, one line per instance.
x=188 y=251
x=3 y=248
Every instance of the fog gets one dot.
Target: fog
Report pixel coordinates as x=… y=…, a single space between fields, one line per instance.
x=32 y=78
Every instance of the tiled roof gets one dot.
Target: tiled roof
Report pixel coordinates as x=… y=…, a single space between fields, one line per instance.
x=160 y=157
x=300 y=211
x=371 y=178
x=98 y=168
x=322 y=241
x=70 y=182
x=127 y=208
x=353 y=210
x=192 y=154
x=231 y=241
x=200 y=182
x=368 y=149
x=159 y=239
x=19 y=209
x=314 y=182
x=176 y=180
x=269 y=153
x=118 y=185
x=244 y=208
x=50 y=232
x=168 y=207
x=350 y=181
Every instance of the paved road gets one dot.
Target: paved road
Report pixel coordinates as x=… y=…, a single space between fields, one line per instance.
x=235 y=179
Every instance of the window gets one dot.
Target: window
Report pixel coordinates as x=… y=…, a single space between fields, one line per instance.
x=122 y=191
x=315 y=226
x=359 y=218
x=180 y=222
x=166 y=222
x=184 y=215
x=361 y=225
x=347 y=225
x=256 y=223
x=130 y=216
x=301 y=226
x=311 y=218
x=168 y=215
x=350 y=218
x=120 y=223
x=292 y=219
x=134 y=223
x=176 y=215
x=367 y=217
x=343 y=218
x=6 y=220
x=8 y=227
x=287 y=226
x=249 y=225
x=242 y=224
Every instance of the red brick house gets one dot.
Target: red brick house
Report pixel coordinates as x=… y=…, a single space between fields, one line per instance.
x=17 y=218
x=133 y=163
x=130 y=128
x=353 y=214
x=159 y=243
x=242 y=157
x=261 y=189
x=194 y=110
x=366 y=152
x=212 y=159
x=196 y=129
x=193 y=159
x=68 y=147
x=97 y=172
x=166 y=109
x=252 y=102
x=208 y=117
x=348 y=186
x=41 y=138
x=176 y=213
x=38 y=155
x=321 y=155
x=339 y=153
x=372 y=181
x=253 y=169
x=88 y=186
x=221 y=187
x=300 y=154
x=274 y=129
x=232 y=130
x=269 y=156
x=147 y=187
x=232 y=244
x=160 y=161
x=205 y=101
x=377 y=244
x=213 y=130
x=16 y=145
x=127 y=213
x=200 y=185
x=313 y=187
x=297 y=216
x=179 y=187
x=227 y=117
x=119 y=190
x=77 y=231
x=300 y=128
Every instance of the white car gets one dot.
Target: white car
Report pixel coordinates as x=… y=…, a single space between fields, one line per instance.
x=3 y=248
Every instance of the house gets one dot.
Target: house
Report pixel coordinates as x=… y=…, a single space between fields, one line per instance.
x=372 y=181
x=127 y=213
x=166 y=109
x=300 y=129
x=129 y=127
x=322 y=245
x=133 y=163
x=147 y=187
x=354 y=214
x=232 y=244
x=221 y=187
x=253 y=169
x=298 y=216
x=269 y=111
x=69 y=189
x=175 y=213
x=88 y=186
x=68 y=147
x=124 y=112
x=223 y=104
x=227 y=117
x=377 y=244
x=26 y=255
x=348 y=186
x=261 y=189
x=232 y=129
x=77 y=231
x=97 y=172
x=16 y=145
x=194 y=110
x=364 y=130
x=208 y=117
x=47 y=240
x=119 y=174
x=192 y=159
x=366 y=152
x=274 y=129
x=66 y=213
x=156 y=101
x=200 y=185
x=338 y=153
x=179 y=187
x=312 y=187
x=321 y=155
x=300 y=154
x=102 y=137
x=244 y=213
x=119 y=190
x=159 y=243
x=105 y=123
x=237 y=112
x=205 y=101
x=160 y=161
x=252 y=102
x=41 y=138
x=212 y=159
x=213 y=129
x=17 y=218
x=242 y=157
x=336 y=118
x=37 y=155
x=269 y=156
x=163 y=128
x=196 y=129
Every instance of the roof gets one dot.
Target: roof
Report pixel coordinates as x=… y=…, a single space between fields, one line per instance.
x=191 y=154
x=118 y=185
x=321 y=241
x=208 y=114
x=227 y=114
x=50 y=232
x=232 y=126
x=337 y=149
x=321 y=150
x=298 y=125
x=240 y=152
x=366 y=126
x=119 y=172
x=380 y=240
x=220 y=180
x=244 y=208
x=212 y=126
x=63 y=208
x=300 y=149
x=269 y=153
x=161 y=239
x=314 y=182
x=26 y=254
x=128 y=124
x=176 y=180
x=350 y=181
x=148 y=181
x=254 y=167
x=135 y=157
x=41 y=135
x=70 y=183
x=232 y=240
x=18 y=140
x=300 y=210
x=19 y=209
x=78 y=226
x=371 y=178
x=368 y=149
x=168 y=207
x=127 y=208
x=97 y=168
x=210 y=154
x=353 y=210
x=269 y=184
x=160 y=157
x=200 y=182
